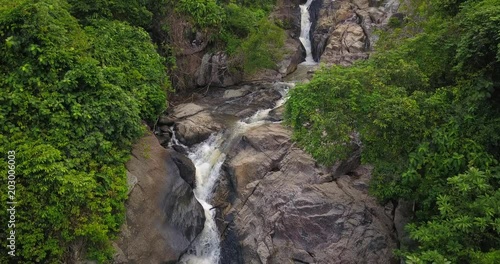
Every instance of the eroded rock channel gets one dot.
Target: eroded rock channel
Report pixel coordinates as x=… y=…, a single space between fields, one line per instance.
x=273 y=202
x=236 y=189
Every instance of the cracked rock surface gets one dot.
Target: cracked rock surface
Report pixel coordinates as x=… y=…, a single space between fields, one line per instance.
x=196 y=121
x=281 y=207
x=163 y=217
x=274 y=203
x=344 y=29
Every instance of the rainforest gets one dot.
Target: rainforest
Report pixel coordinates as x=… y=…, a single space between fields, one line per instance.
x=233 y=131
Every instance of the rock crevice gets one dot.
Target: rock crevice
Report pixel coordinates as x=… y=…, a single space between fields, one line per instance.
x=163 y=217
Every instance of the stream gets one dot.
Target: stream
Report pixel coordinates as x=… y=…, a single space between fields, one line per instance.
x=232 y=185
x=208 y=158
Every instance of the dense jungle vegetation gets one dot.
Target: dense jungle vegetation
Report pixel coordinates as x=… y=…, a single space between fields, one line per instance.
x=426 y=109
x=77 y=80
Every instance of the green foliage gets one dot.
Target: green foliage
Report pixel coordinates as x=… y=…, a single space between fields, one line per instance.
x=426 y=110
x=133 y=64
x=251 y=38
x=71 y=104
x=467 y=226
x=478 y=46
x=240 y=22
x=266 y=5
x=205 y=13
x=133 y=11
x=262 y=47
x=394 y=22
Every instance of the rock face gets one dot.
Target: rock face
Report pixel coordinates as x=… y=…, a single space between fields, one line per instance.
x=163 y=217
x=343 y=31
x=199 y=65
x=214 y=70
x=284 y=208
x=274 y=203
x=184 y=215
x=286 y=13
x=194 y=122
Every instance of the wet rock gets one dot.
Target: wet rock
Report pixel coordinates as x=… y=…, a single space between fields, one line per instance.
x=184 y=214
x=151 y=233
x=275 y=200
x=294 y=54
x=274 y=203
x=228 y=94
x=197 y=128
x=181 y=149
x=163 y=138
x=186 y=110
x=165 y=120
x=195 y=122
x=257 y=153
x=165 y=128
x=276 y=115
x=187 y=170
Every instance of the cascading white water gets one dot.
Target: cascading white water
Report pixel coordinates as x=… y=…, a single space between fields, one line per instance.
x=305 y=28
x=208 y=159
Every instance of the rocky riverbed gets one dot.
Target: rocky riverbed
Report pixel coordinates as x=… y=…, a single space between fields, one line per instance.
x=273 y=202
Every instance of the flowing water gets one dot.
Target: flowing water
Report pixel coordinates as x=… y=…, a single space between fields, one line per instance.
x=208 y=158
x=305 y=29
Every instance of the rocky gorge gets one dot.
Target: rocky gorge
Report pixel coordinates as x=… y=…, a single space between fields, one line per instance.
x=271 y=201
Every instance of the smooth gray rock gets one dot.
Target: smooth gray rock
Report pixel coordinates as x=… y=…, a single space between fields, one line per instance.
x=232 y=93
x=185 y=216
x=275 y=201
x=197 y=128
x=131 y=182
x=162 y=214
x=186 y=168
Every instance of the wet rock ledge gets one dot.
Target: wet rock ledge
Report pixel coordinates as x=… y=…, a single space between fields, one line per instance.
x=274 y=203
x=162 y=217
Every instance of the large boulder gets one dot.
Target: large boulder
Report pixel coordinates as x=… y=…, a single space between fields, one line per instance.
x=284 y=208
x=162 y=216
x=185 y=217
x=186 y=168
x=346 y=44
x=294 y=54
x=343 y=32
x=195 y=122
x=197 y=128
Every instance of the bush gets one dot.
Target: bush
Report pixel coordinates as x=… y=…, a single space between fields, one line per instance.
x=427 y=114
x=71 y=105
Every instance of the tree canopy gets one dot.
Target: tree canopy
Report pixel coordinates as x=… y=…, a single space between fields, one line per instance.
x=77 y=81
x=72 y=99
x=426 y=109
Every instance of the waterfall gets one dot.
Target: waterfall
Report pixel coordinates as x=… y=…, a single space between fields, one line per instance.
x=305 y=28
x=208 y=158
